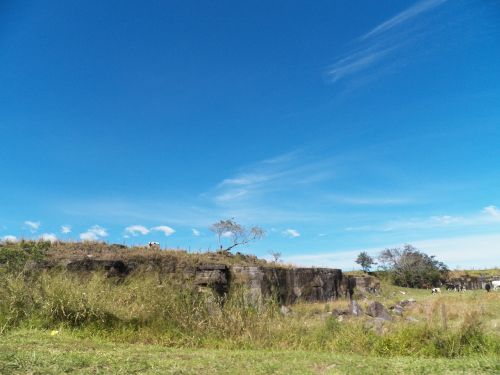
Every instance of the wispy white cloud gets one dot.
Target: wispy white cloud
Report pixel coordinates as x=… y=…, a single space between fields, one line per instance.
x=94 y=233
x=196 y=232
x=252 y=195
x=292 y=233
x=488 y=215
x=492 y=211
x=33 y=226
x=135 y=230
x=370 y=200
x=356 y=62
x=231 y=195
x=446 y=219
x=374 y=47
x=270 y=176
x=409 y=13
x=246 y=179
x=9 y=238
x=65 y=229
x=167 y=231
x=48 y=237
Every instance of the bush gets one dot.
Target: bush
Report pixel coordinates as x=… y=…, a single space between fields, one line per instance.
x=14 y=256
x=409 y=267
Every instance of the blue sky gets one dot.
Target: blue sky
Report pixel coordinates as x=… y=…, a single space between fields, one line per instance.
x=336 y=126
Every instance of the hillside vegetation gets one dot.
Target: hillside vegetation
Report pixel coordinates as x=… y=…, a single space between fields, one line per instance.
x=47 y=312
x=59 y=252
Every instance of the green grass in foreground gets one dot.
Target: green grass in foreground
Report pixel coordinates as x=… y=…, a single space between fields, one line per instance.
x=37 y=352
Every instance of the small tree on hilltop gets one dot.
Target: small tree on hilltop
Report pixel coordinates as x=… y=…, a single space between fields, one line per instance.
x=365 y=261
x=236 y=233
x=276 y=255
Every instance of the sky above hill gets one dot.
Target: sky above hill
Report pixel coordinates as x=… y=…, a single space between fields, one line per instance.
x=337 y=126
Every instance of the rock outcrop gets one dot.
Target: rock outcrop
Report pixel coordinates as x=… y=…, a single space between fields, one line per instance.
x=288 y=284
x=471 y=282
x=377 y=310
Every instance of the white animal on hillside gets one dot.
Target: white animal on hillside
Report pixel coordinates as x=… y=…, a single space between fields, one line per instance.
x=154 y=244
x=436 y=290
x=495 y=284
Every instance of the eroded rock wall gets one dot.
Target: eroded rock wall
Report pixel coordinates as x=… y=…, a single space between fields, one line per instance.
x=288 y=284
x=471 y=282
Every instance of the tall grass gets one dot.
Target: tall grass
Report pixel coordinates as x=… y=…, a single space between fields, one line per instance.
x=141 y=309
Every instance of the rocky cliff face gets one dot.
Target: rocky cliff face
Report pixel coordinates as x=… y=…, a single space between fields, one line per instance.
x=287 y=283
x=470 y=282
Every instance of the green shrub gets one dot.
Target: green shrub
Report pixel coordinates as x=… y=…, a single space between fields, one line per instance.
x=14 y=256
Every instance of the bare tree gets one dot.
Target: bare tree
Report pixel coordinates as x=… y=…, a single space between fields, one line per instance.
x=236 y=233
x=276 y=256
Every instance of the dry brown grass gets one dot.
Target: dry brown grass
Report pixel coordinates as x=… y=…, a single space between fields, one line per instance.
x=64 y=251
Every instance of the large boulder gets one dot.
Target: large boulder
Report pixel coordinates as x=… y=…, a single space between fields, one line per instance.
x=377 y=310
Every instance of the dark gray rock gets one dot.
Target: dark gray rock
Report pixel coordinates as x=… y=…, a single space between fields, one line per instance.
x=289 y=284
x=398 y=310
x=377 y=310
x=112 y=267
x=367 y=284
x=215 y=276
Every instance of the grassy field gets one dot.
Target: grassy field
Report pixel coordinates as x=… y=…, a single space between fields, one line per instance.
x=325 y=347
x=37 y=352
x=56 y=321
